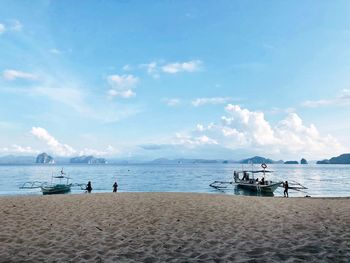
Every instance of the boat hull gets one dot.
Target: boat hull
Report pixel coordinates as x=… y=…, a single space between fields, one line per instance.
x=55 y=189
x=259 y=188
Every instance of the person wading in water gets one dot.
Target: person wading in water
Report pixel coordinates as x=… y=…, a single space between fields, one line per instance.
x=285 y=189
x=115 y=187
x=88 y=187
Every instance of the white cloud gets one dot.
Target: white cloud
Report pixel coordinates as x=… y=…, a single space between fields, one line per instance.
x=55 y=51
x=343 y=99
x=193 y=141
x=249 y=131
x=189 y=66
x=26 y=149
x=11 y=74
x=2 y=28
x=110 y=150
x=126 y=67
x=171 y=102
x=123 y=93
x=70 y=96
x=215 y=100
x=17 y=149
x=16 y=25
x=122 y=85
x=152 y=69
x=54 y=145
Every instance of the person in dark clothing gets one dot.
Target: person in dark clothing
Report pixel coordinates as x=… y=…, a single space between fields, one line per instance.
x=262 y=182
x=115 y=187
x=88 y=187
x=285 y=189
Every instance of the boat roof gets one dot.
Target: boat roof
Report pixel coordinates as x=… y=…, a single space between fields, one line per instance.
x=61 y=176
x=255 y=171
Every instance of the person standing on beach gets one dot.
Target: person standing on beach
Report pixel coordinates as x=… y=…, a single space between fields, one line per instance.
x=88 y=187
x=285 y=193
x=115 y=187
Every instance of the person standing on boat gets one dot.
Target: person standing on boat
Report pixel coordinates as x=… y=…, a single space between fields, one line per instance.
x=115 y=187
x=88 y=187
x=285 y=193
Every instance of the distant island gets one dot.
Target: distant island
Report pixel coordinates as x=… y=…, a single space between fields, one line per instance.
x=44 y=158
x=303 y=161
x=291 y=162
x=87 y=160
x=257 y=159
x=341 y=159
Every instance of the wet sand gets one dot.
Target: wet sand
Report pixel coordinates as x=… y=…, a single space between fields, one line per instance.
x=173 y=227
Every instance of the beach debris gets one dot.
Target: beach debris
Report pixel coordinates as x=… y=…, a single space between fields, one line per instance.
x=98 y=228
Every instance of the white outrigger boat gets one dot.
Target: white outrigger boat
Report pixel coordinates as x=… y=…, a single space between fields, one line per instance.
x=61 y=186
x=249 y=181
x=57 y=188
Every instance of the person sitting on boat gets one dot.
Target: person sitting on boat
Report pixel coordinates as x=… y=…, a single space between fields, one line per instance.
x=245 y=176
x=262 y=181
x=62 y=173
x=88 y=187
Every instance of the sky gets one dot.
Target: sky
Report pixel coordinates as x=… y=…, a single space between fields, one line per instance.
x=175 y=79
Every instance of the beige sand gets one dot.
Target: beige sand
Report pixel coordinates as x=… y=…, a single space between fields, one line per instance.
x=173 y=227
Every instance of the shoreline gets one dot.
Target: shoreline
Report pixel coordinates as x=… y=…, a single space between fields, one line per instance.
x=195 y=193
x=173 y=227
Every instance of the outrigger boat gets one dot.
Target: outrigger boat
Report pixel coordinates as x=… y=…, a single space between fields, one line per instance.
x=61 y=187
x=250 y=183
x=57 y=188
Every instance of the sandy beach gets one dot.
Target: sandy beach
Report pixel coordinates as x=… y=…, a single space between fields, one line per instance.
x=173 y=227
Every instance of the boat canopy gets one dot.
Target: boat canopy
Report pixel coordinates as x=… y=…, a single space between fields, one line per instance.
x=61 y=176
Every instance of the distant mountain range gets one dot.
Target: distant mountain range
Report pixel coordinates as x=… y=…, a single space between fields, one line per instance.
x=44 y=158
x=341 y=159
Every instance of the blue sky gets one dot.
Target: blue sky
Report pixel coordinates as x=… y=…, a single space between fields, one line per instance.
x=148 y=79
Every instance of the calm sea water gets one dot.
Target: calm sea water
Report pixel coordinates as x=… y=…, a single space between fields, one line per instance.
x=321 y=180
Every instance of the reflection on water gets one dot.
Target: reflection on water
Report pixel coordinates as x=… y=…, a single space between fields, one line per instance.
x=322 y=180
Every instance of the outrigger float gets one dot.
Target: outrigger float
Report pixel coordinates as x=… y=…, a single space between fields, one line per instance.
x=59 y=185
x=250 y=183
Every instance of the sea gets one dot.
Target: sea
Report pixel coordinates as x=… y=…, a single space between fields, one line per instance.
x=320 y=180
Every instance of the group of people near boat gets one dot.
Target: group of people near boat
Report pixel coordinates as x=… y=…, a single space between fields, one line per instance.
x=89 y=187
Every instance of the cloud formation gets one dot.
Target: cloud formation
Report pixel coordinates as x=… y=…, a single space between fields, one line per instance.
x=189 y=66
x=172 y=101
x=122 y=85
x=11 y=74
x=193 y=141
x=54 y=145
x=2 y=28
x=17 y=149
x=215 y=100
x=14 y=25
x=250 y=131
x=343 y=99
